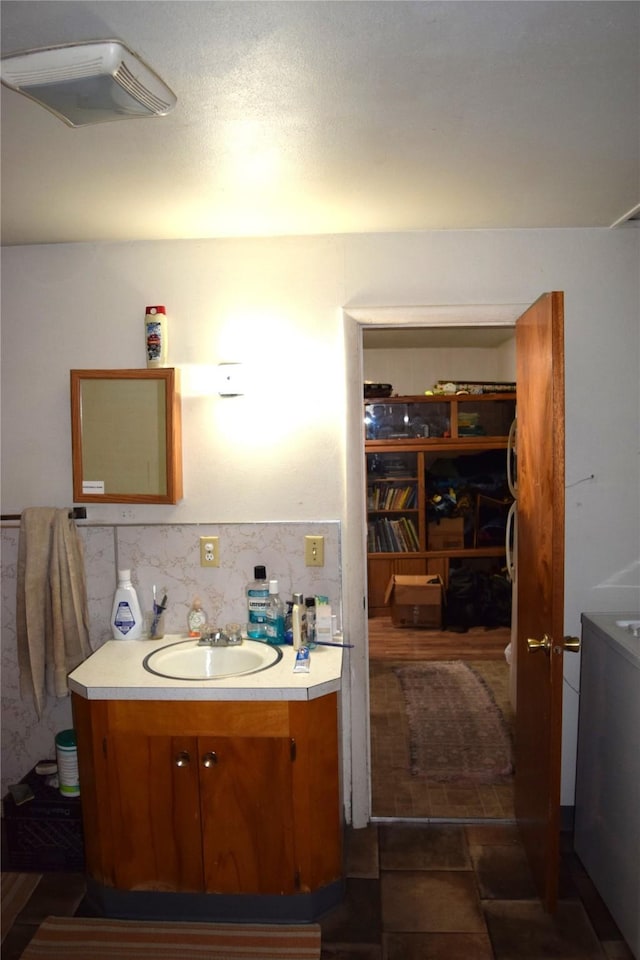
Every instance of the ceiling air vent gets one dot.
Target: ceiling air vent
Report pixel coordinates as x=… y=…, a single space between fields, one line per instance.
x=84 y=83
x=632 y=217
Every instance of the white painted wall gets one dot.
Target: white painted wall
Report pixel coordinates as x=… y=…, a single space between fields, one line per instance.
x=412 y=370
x=280 y=452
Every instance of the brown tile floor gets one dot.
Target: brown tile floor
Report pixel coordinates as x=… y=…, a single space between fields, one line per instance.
x=461 y=892
x=424 y=892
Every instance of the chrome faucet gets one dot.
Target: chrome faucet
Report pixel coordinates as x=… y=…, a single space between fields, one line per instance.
x=215 y=637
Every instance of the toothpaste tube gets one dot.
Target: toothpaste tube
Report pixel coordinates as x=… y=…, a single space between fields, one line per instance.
x=303 y=661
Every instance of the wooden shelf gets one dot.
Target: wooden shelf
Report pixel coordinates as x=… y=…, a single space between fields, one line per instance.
x=447 y=421
x=440 y=554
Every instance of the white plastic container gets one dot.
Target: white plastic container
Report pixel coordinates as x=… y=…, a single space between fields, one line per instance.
x=67 y=757
x=155 y=336
x=126 y=616
x=275 y=615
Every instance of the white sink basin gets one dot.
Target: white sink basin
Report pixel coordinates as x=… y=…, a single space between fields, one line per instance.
x=633 y=626
x=185 y=660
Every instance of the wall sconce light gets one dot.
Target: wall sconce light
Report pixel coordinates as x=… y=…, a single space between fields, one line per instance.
x=230 y=379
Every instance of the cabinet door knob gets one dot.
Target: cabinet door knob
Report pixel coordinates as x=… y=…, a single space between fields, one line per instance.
x=209 y=759
x=183 y=759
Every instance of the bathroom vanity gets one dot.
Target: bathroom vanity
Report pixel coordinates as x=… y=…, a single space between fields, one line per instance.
x=209 y=798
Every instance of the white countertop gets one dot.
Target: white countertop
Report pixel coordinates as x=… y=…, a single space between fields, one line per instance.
x=115 y=672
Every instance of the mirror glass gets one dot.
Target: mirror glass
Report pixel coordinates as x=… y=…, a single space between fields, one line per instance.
x=123 y=436
x=124 y=430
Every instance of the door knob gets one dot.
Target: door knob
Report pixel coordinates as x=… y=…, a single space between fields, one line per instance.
x=571 y=644
x=209 y=759
x=183 y=759
x=544 y=644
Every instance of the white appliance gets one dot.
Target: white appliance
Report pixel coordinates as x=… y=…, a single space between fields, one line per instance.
x=607 y=812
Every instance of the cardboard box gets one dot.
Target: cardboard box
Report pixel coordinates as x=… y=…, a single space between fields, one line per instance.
x=448 y=534
x=416 y=601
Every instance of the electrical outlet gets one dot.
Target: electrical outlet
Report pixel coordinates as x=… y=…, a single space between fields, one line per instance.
x=209 y=552
x=314 y=551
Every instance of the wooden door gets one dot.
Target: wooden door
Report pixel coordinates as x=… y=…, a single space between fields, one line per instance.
x=246 y=803
x=155 y=812
x=540 y=579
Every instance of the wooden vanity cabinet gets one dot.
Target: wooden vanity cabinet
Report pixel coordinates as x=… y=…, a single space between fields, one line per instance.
x=214 y=797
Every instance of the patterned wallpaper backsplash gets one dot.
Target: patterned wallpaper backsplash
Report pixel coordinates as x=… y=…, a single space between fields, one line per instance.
x=169 y=557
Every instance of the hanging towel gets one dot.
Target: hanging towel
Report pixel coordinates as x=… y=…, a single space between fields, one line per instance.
x=52 y=619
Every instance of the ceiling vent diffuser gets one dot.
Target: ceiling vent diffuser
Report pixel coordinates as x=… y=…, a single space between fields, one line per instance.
x=93 y=82
x=631 y=217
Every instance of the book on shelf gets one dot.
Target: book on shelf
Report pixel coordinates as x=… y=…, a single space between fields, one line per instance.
x=411 y=534
x=399 y=498
x=383 y=496
x=392 y=536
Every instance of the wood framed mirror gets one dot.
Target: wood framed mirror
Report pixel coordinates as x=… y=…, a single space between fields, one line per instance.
x=126 y=436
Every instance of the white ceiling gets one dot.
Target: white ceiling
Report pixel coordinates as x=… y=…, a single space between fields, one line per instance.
x=334 y=117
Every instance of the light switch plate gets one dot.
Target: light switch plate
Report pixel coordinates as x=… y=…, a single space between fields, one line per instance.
x=314 y=551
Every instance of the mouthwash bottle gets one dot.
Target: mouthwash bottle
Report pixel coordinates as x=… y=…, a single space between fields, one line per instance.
x=275 y=615
x=257 y=602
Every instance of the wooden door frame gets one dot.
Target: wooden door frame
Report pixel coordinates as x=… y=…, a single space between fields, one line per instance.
x=356 y=319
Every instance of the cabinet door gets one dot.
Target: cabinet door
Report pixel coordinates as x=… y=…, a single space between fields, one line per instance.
x=246 y=804
x=155 y=811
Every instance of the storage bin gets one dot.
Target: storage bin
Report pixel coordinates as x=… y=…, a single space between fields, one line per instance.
x=44 y=834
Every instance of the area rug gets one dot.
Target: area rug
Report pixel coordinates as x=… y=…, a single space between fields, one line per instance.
x=15 y=892
x=82 y=938
x=457 y=732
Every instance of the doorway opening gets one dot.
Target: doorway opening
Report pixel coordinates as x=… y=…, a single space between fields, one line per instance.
x=539 y=330
x=453 y=760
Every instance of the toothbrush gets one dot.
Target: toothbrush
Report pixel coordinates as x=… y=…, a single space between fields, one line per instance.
x=158 y=610
x=332 y=643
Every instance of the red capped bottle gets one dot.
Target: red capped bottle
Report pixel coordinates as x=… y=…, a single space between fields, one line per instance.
x=155 y=334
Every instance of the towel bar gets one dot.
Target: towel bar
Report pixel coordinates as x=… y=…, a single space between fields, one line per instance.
x=76 y=513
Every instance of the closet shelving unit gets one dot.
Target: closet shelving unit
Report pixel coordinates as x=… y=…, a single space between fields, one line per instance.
x=410 y=443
